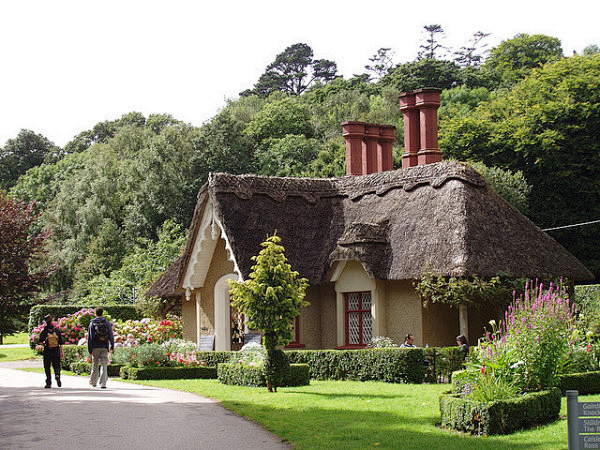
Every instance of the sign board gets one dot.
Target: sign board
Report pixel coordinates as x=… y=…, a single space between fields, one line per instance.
x=207 y=342
x=253 y=337
x=583 y=422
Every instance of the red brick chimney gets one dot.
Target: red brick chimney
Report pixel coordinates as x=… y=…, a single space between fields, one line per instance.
x=420 y=127
x=368 y=147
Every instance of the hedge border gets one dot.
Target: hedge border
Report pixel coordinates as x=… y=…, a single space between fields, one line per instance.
x=585 y=383
x=83 y=367
x=167 y=373
x=392 y=365
x=501 y=416
x=241 y=375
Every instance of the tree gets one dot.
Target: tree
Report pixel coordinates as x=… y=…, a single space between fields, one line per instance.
x=432 y=45
x=19 y=251
x=271 y=299
x=19 y=155
x=423 y=73
x=382 y=63
x=515 y=58
x=547 y=128
x=293 y=71
x=470 y=56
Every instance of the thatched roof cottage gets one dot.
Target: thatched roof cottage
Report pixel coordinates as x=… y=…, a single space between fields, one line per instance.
x=362 y=240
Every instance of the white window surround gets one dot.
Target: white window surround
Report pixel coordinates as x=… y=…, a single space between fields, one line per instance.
x=350 y=276
x=203 y=250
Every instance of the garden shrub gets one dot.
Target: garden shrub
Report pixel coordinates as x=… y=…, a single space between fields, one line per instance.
x=243 y=375
x=392 y=365
x=586 y=383
x=501 y=416
x=167 y=373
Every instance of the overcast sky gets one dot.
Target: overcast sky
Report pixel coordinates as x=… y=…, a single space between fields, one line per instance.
x=67 y=65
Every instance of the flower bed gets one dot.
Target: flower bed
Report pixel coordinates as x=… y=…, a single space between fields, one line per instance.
x=501 y=416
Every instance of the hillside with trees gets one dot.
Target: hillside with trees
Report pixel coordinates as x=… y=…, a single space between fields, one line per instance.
x=123 y=193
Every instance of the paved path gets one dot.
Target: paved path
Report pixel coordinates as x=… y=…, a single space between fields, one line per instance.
x=122 y=416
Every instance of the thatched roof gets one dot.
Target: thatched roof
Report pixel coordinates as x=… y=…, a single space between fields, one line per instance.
x=398 y=223
x=166 y=285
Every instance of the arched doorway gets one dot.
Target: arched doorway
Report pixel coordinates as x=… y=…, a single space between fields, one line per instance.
x=223 y=313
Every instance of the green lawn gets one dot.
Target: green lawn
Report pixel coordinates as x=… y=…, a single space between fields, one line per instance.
x=16 y=354
x=337 y=414
x=357 y=415
x=17 y=338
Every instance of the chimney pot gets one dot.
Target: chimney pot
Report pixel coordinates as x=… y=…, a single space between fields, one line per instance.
x=353 y=132
x=420 y=127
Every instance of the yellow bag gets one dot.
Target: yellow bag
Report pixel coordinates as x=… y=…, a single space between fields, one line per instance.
x=52 y=340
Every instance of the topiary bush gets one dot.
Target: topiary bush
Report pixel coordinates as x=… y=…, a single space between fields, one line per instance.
x=501 y=416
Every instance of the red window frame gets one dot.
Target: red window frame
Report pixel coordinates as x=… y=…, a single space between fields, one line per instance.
x=361 y=310
x=295 y=343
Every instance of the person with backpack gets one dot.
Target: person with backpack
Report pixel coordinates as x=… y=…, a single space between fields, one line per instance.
x=52 y=339
x=101 y=341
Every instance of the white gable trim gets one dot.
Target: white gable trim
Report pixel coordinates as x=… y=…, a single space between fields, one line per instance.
x=209 y=231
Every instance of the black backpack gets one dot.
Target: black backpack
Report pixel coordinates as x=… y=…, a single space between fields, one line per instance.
x=100 y=331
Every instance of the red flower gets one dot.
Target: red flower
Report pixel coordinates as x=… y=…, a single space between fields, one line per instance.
x=482 y=370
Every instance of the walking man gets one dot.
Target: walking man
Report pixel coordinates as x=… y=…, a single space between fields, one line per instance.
x=101 y=341
x=52 y=339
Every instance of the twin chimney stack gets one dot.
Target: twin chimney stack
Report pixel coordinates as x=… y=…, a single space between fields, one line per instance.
x=369 y=146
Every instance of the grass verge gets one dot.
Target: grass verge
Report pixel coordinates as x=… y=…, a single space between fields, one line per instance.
x=16 y=354
x=17 y=338
x=345 y=414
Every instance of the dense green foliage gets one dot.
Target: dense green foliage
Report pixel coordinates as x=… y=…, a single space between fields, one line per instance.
x=528 y=115
x=502 y=416
x=585 y=382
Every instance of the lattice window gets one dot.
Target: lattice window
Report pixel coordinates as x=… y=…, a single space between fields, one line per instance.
x=359 y=321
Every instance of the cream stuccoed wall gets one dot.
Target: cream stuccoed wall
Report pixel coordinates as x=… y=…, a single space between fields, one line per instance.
x=353 y=278
x=403 y=308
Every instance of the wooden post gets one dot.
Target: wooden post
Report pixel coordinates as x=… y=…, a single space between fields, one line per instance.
x=463 y=320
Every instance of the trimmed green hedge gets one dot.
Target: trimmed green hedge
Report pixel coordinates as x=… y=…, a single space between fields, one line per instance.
x=442 y=362
x=392 y=365
x=82 y=368
x=167 y=373
x=73 y=354
x=38 y=312
x=502 y=416
x=585 y=383
x=242 y=375
x=215 y=358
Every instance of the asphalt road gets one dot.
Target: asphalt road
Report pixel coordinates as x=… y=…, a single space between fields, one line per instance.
x=78 y=416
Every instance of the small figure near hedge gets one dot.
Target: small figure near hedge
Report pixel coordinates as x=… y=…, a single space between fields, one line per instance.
x=52 y=340
x=271 y=299
x=101 y=341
